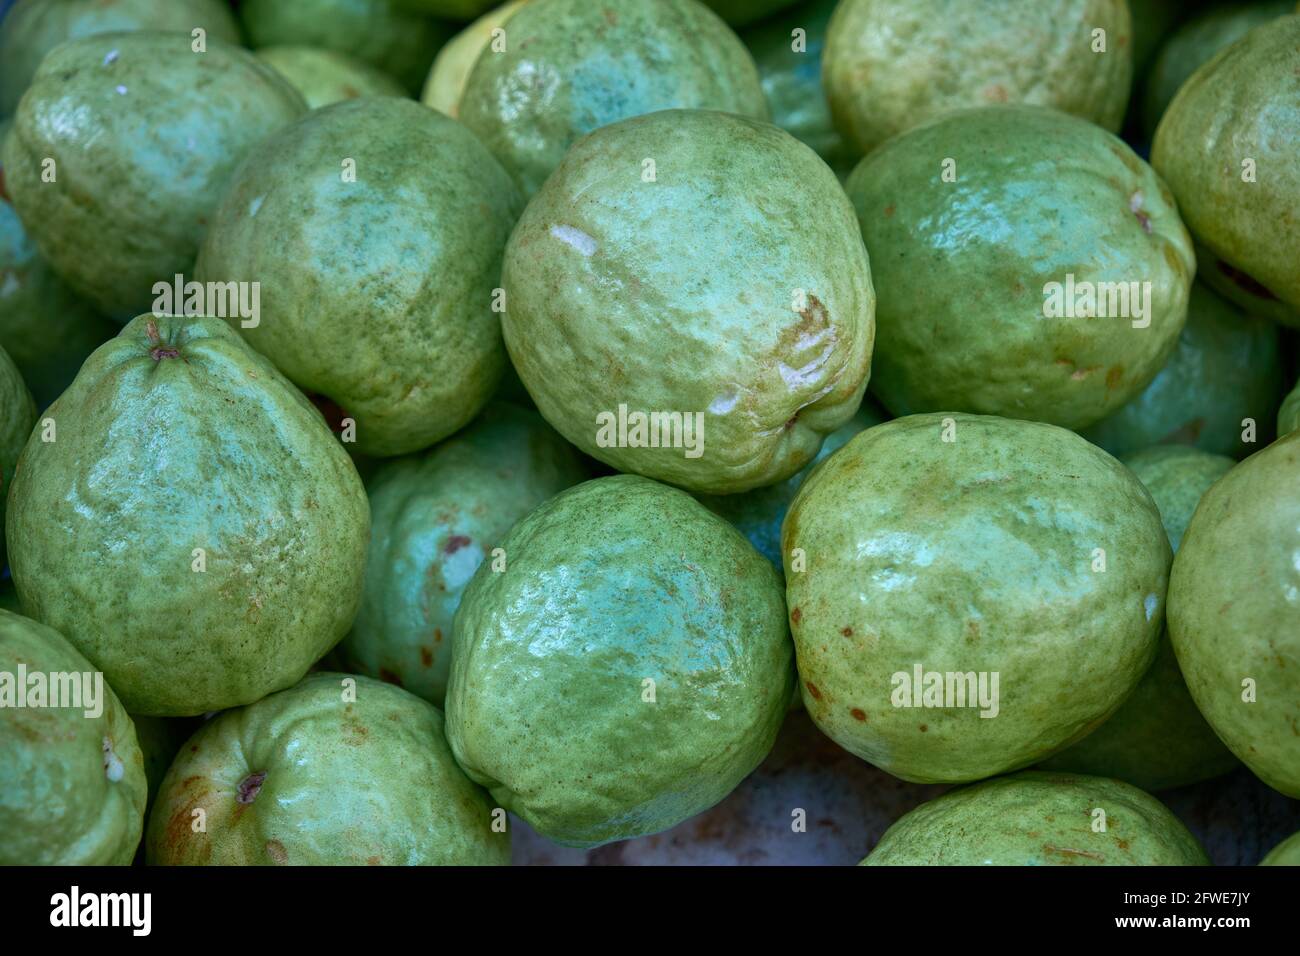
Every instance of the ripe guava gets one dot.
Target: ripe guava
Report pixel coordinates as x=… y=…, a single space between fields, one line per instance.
x=190 y=525
x=621 y=302
x=326 y=76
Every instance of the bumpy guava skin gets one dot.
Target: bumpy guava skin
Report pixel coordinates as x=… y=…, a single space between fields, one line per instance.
x=17 y=416
x=991 y=233
x=890 y=65
x=339 y=770
x=193 y=528
x=35 y=27
x=451 y=67
x=326 y=76
x=1158 y=739
x=1234 y=615
x=619 y=294
x=434 y=518
x=1226 y=147
x=1286 y=853
x=378 y=32
x=72 y=786
x=1288 y=416
x=627 y=669
x=1225 y=369
x=970 y=545
x=144 y=134
x=572 y=66
x=394 y=325
x=1040 y=819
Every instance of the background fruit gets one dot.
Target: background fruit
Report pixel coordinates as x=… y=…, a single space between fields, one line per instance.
x=451 y=68
x=1288 y=416
x=326 y=76
x=17 y=416
x=741 y=12
x=1286 y=853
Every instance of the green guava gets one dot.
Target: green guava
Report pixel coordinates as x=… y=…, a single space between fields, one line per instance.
x=338 y=770
x=572 y=66
x=1195 y=43
x=72 y=783
x=451 y=67
x=699 y=287
x=1226 y=368
x=326 y=76
x=1286 y=853
x=187 y=521
x=970 y=594
x=758 y=514
x=17 y=416
x=1158 y=739
x=739 y=13
x=890 y=65
x=434 y=518
x=627 y=669
x=1288 y=416
x=1234 y=611
x=790 y=67
x=33 y=28
x=1028 y=264
x=143 y=134
x=378 y=32
x=375 y=228
x=1040 y=819
x=1226 y=147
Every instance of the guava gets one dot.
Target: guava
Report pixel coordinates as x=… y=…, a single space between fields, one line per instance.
x=790 y=67
x=569 y=67
x=1158 y=739
x=33 y=28
x=338 y=770
x=143 y=134
x=1288 y=416
x=72 y=783
x=375 y=228
x=1226 y=368
x=449 y=9
x=378 y=32
x=970 y=594
x=1226 y=147
x=17 y=416
x=741 y=12
x=326 y=76
x=625 y=671
x=890 y=65
x=1286 y=853
x=1040 y=819
x=1234 y=611
x=434 y=518
x=446 y=82
x=1028 y=264
x=758 y=514
x=1196 y=42
x=703 y=289
x=187 y=521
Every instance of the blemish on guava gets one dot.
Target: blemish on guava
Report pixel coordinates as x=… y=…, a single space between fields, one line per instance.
x=858 y=714
x=574 y=238
x=924 y=728
x=846 y=631
x=1149 y=605
x=113 y=768
x=276 y=851
x=796 y=615
x=1114 y=375
x=426 y=657
x=1244 y=281
x=455 y=543
x=1135 y=206
x=389 y=677
x=159 y=351
x=812 y=689
x=250 y=787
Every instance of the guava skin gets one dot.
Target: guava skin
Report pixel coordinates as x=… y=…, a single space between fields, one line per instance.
x=1039 y=819
x=451 y=67
x=394 y=325
x=890 y=65
x=72 y=786
x=325 y=76
x=792 y=80
x=1196 y=42
x=1286 y=853
x=434 y=518
x=174 y=437
x=145 y=134
x=1248 y=228
x=758 y=514
x=972 y=555
x=378 y=32
x=964 y=269
x=1288 y=416
x=610 y=585
x=1158 y=739
x=1234 y=614
x=17 y=416
x=33 y=28
x=553 y=84
x=705 y=333
x=339 y=770
x=1225 y=368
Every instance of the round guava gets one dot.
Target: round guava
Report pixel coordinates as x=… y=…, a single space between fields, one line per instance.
x=451 y=67
x=326 y=76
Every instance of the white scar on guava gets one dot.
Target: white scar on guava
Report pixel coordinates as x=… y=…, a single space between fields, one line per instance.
x=575 y=238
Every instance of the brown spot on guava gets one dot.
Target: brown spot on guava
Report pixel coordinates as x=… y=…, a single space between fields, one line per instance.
x=1068 y=851
x=276 y=851
x=437 y=635
x=426 y=657
x=350 y=91
x=389 y=677
x=250 y=787
x=812 y=689
x=455 y=543
x=1114 y=375
x=858 y=714
x=995 y=93
x=796 y=615
x=924 y=728
x=889 y=210
x=846 y=631
x=1244 y=281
